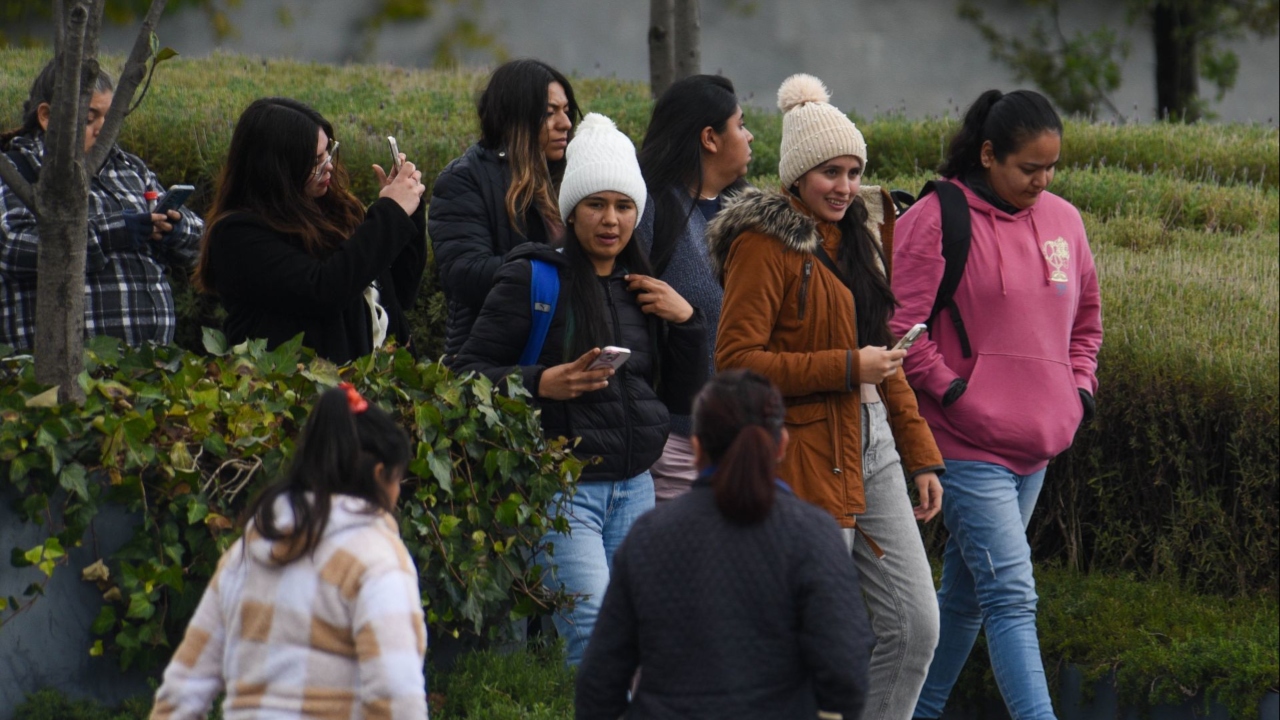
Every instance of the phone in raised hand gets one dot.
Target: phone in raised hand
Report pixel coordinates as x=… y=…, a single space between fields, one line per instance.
x=910 y=338
x=395 y=152
x=173 y=198
x=610 y=356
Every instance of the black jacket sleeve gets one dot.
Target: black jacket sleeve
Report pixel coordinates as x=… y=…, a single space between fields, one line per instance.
x=409 y=265
x=684 y=363
x=499 y=335
x=835 y=637
x=613 y=654
x=461 y=237
x=258 y=265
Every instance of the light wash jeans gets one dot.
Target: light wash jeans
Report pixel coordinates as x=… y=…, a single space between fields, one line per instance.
x=898 y=587
x=600 y=514
x=987 y=581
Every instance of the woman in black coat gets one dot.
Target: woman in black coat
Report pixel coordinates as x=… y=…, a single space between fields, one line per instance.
x=290 y=250
x=605 y=298
x=502 y=191
x=737 y=599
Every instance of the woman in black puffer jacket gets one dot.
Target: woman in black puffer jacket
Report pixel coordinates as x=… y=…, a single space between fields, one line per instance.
x=502 y=191
x=605 y=299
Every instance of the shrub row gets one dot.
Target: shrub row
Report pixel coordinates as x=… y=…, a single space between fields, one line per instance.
x=185 y=440
x=1183 y=221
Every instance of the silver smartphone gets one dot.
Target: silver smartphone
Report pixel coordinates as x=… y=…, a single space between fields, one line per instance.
x=910 y=338
x=395 y=152
x=610 y=356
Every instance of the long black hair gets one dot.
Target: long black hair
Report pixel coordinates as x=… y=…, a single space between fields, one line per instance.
x=42 y=92
x=671 y=155
x=863 y=260
x=339 y=449
x=588 y=327
x=271 y=158
x=513 y=109
x=1007 y=121
x=738 y=420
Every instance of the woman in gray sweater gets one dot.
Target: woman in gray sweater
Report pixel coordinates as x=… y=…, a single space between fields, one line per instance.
x=736 y=599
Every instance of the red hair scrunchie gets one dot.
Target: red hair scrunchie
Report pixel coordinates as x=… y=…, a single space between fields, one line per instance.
x=355 y=400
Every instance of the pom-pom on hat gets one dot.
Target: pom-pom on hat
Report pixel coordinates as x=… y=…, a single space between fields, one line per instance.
x=600 y=158
x=813 y=130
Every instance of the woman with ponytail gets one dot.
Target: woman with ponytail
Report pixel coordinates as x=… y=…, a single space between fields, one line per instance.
x=807 y=304
x=315 y=611
x=736 y=599
x=1006 y=400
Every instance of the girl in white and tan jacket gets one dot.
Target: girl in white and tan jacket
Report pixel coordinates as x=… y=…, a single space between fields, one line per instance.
x=315 y=612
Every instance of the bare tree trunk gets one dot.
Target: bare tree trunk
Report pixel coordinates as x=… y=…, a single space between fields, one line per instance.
x=62 y=209
x=662 y=61
x=60 y=199
x=1177 y=62
x=688 y=46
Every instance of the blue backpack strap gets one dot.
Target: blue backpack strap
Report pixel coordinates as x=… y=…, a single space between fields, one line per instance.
x=544 y=291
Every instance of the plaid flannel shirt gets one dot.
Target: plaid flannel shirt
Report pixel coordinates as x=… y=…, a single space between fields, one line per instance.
x=126 y=293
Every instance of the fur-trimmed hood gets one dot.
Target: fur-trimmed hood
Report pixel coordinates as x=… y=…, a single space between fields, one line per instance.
x=779 y=215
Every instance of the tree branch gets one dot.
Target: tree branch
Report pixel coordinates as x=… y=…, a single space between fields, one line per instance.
x=65 y=134
x=59 y=26
x=18 y=184
x=135 y=68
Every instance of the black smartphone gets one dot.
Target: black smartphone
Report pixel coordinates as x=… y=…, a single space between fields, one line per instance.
x=174 y=198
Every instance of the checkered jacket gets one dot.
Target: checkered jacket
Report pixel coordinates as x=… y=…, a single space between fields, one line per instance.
x=334 y=634
x=126 y=293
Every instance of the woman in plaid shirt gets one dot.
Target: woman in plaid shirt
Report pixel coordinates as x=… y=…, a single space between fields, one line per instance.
x=126 y=292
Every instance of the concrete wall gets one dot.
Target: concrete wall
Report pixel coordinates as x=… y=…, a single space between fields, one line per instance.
x=48 y=645
x=917 y=57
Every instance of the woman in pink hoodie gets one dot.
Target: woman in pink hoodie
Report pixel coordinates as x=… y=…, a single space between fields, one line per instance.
x=1003 y=402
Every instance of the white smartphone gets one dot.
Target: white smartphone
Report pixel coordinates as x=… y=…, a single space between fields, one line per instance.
x=610 y=356
x=910 y=338
x=395 y=152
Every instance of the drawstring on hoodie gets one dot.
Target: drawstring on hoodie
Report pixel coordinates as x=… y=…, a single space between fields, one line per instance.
x=995 y=233
x=1035 y=232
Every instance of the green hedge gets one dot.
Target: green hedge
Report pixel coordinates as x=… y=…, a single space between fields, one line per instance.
x=1178 y=476
x=185 y=440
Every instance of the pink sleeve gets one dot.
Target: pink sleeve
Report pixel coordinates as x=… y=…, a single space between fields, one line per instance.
x=917 y=270
x=1086 y=330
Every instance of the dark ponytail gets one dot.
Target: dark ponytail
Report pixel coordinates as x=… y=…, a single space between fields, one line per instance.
x=1007 y=121
x=339 y=449
x=737 y=419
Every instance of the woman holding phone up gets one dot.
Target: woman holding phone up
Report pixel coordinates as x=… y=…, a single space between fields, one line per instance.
x=605 y=298
x=290 y=250
x=807 y=304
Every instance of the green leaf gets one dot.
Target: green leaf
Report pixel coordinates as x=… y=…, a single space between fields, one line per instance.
x=165 y=53
x=72 y=479
x=96 y=650
x=140 y=607
x=198 y=510
x=105 y=621
x=215 y=343
x=441 y=470
x=448 y=524
x=46 y=399
x=508 y=512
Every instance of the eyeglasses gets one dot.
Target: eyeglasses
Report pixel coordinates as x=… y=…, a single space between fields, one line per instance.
x=330 y=157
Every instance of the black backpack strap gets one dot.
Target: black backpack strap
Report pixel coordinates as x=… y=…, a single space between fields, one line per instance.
x=956 y=238
x=825 y=259
x=20 y=161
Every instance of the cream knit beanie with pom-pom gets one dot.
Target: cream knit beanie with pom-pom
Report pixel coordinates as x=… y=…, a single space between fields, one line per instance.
x=813 y=130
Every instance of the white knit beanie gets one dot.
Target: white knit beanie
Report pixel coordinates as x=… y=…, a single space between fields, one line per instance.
x=600 y=158
x=813 y=130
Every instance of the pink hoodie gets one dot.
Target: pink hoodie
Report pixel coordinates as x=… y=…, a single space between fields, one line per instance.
x=1030 y=303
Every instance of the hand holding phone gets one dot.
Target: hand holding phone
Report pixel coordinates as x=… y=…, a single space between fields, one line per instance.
x=396 y=162
x=910 y=338
x=173 y=199
x=610 y=357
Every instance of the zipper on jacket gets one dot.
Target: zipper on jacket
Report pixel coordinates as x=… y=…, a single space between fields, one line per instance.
x=804 y=285
x=626 y=391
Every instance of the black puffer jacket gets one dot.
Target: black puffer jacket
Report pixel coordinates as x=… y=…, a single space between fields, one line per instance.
x=625 y=424
x=471 y=234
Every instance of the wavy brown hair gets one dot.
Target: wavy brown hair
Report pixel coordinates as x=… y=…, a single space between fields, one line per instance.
x=271 y=158
x=513 y=108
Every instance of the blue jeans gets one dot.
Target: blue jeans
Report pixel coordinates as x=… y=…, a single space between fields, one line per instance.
x=600 y=514
x=987 y=582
